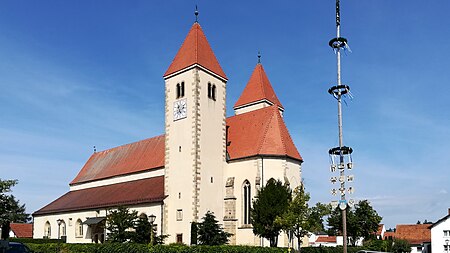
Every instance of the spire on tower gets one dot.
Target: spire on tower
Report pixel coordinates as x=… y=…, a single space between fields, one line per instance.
x=259 y=57
x=196 y=14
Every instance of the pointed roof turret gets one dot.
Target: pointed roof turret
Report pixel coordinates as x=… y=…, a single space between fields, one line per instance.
x=195 y=50
x=258 y=89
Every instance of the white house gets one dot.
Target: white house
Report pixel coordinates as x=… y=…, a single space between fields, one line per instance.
x=204 y=161
x=440 y=234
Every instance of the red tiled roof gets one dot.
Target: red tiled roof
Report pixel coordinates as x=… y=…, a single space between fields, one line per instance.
x=323 y=239
x=130 y=158
x=414 y=234
x=388 y=234
x=129 y=193
x=258 y=88
x=22 y=230
x=260 y=132
x=195 y=50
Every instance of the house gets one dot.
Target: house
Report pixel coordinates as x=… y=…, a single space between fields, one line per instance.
x=418 y=235
x=440 y=234
x=204 y=161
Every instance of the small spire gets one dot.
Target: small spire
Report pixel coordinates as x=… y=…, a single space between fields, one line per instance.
x=259 y=57
x=196 y=14
x=95 y=150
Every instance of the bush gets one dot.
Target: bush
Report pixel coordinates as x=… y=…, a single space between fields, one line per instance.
x=173 y=248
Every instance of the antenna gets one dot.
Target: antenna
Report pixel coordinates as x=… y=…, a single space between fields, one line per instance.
x=196 y=14
x=340 y=157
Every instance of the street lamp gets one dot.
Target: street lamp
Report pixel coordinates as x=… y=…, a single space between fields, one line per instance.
x=151 y=219
x=59 y=221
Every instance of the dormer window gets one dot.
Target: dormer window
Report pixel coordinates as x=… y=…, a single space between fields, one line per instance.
x=212 y=91
x=180 y=90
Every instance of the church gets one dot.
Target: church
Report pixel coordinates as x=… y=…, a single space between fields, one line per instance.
x=204 y=161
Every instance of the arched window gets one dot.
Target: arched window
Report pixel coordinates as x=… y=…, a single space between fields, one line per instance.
x=47 y=230
x=62 y=228
x=78 y=228
x=213 y=92
x=246 y=202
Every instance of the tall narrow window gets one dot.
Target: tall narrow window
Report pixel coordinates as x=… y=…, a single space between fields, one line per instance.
x=47 y=230
x=78 y=228
x=213 y=92
x=182 y=90
x=209 y=90
x=178 y=90
x=247 y=197
x=62 y=229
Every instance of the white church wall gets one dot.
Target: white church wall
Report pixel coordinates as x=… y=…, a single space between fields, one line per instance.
x=71 y=219
x=262 y=169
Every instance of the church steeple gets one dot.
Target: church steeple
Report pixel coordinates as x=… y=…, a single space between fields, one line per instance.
x=258 y=93
x=195 y=50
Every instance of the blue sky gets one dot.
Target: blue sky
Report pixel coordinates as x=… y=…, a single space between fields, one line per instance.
x=74 y=74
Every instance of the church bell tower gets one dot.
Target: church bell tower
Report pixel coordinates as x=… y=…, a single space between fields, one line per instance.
x=195 y=91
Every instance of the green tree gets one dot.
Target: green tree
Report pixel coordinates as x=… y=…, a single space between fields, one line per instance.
x=142 y=230
x=300 y=219
x=270 y=202
x=210 y=232
x=119 y=223
x=401 y=246
x=10 y=208
x=362 y=221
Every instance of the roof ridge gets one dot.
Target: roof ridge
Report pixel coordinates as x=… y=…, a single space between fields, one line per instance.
x=131 y=143
x=279 y=119
x=265 y=133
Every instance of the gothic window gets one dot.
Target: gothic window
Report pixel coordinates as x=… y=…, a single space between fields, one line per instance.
x=62 y=229
x=78 y=228
x=247 y=198
x=47 y=230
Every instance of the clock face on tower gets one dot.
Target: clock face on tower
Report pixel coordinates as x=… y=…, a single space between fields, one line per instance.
x=179 y=109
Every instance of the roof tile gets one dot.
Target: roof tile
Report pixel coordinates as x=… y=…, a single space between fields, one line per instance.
x=129 y=193
x=258 y=88
x=195 y=50
x=260 y=132
x=22 y=230
x=130 y=158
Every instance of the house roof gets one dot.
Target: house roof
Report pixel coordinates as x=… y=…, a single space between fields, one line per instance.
x=126 y=159
x=414 y=234
x=440 y=220
x=147 y=190
x=260 y=132
x=326 y=239
x=22 y=230
x=258 y=88
x=195 y=50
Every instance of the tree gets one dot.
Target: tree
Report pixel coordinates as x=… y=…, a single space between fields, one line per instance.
x=362 y=221
x=10 y=208
x=300 y=219
x=119 y=223
x=401 y=246
x=210 y=232
x=142 y=230
x=270 y=202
